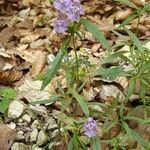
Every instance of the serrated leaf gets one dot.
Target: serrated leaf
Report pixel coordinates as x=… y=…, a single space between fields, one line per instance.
x=114 y=56
x=95 y=143
x=134 y=135
x=111 y=73
x=135 y=40
x=55 y=64
x=82 y=102
x=96 y=33
x=51 y=100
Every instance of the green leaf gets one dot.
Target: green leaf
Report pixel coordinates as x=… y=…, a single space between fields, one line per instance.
x=74 y=143
x=55 y=64
x=7 y=94
x=71 y=144
x=51 y=100
x=4 y=104
x=113 y=57
x=110 y=73
x=96 y=33
x=82 y=102
x=95 y=143
x=143 y=88
x=131 y=87
x=135 y=40
x=128 y=3
x=129 y=19
x=134 y=135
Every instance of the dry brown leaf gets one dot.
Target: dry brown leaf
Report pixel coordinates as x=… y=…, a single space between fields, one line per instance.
x=38 y=64
x=6 y=35
x=10 y=76
x=123 y=14
x=7 y=136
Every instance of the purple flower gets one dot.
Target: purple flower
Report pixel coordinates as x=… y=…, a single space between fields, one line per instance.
x=71 y=9
x=90 y=127
x=62 y=5
x=61 y=24
x=74 y=12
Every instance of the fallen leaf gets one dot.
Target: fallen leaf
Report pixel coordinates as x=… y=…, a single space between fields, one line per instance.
x=7 y=136
x=38 y=64
x=9 y=76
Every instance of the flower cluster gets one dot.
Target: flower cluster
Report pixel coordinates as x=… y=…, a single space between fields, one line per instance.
x=69 y=11
x=90 y=127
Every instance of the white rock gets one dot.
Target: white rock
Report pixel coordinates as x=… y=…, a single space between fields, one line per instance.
x=18 y=146
x=20 y=135
x=35 y=147
x=26 y=118
x=51 y=123
x=33 y=135
x=109 y=91
x=40 y=109
x=42 y=138
x=12 y=125
x=50 y=58
x=24 y=13
x=35 y=124
x=15 y=109
x=31 y=90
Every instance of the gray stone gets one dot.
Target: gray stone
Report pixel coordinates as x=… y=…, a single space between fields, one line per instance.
x=15 y=109
x=33 y=135
x=42 y=138
x=26 y=118
x=18 y=146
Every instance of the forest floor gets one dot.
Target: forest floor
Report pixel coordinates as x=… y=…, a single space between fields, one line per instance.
x=118 y=95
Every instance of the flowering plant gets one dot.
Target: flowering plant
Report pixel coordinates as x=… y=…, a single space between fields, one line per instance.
x=68 y=19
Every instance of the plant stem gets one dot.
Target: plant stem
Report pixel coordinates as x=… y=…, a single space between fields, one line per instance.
x=76 y=57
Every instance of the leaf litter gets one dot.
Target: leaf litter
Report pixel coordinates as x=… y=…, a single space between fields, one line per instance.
x=27 y=40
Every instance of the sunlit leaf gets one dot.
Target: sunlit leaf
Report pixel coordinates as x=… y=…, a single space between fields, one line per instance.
x=96 y=33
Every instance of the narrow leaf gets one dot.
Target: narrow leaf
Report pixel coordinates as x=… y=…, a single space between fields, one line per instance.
x=95 y=143
x=110 y=73
x=113 y=57
x=129 y=19
x=134 y=135
x=134 y=39
x=55 y=65
x=51 y=100
x=127 y=2
x=82 y=102
x=96 y=33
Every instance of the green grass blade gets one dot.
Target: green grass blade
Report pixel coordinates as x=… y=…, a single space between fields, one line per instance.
x=134 y=135
x=55 y=65
x=96 y=33
x=128 y=3
x=82 y=102
x=129 y=19
x=135 y=40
